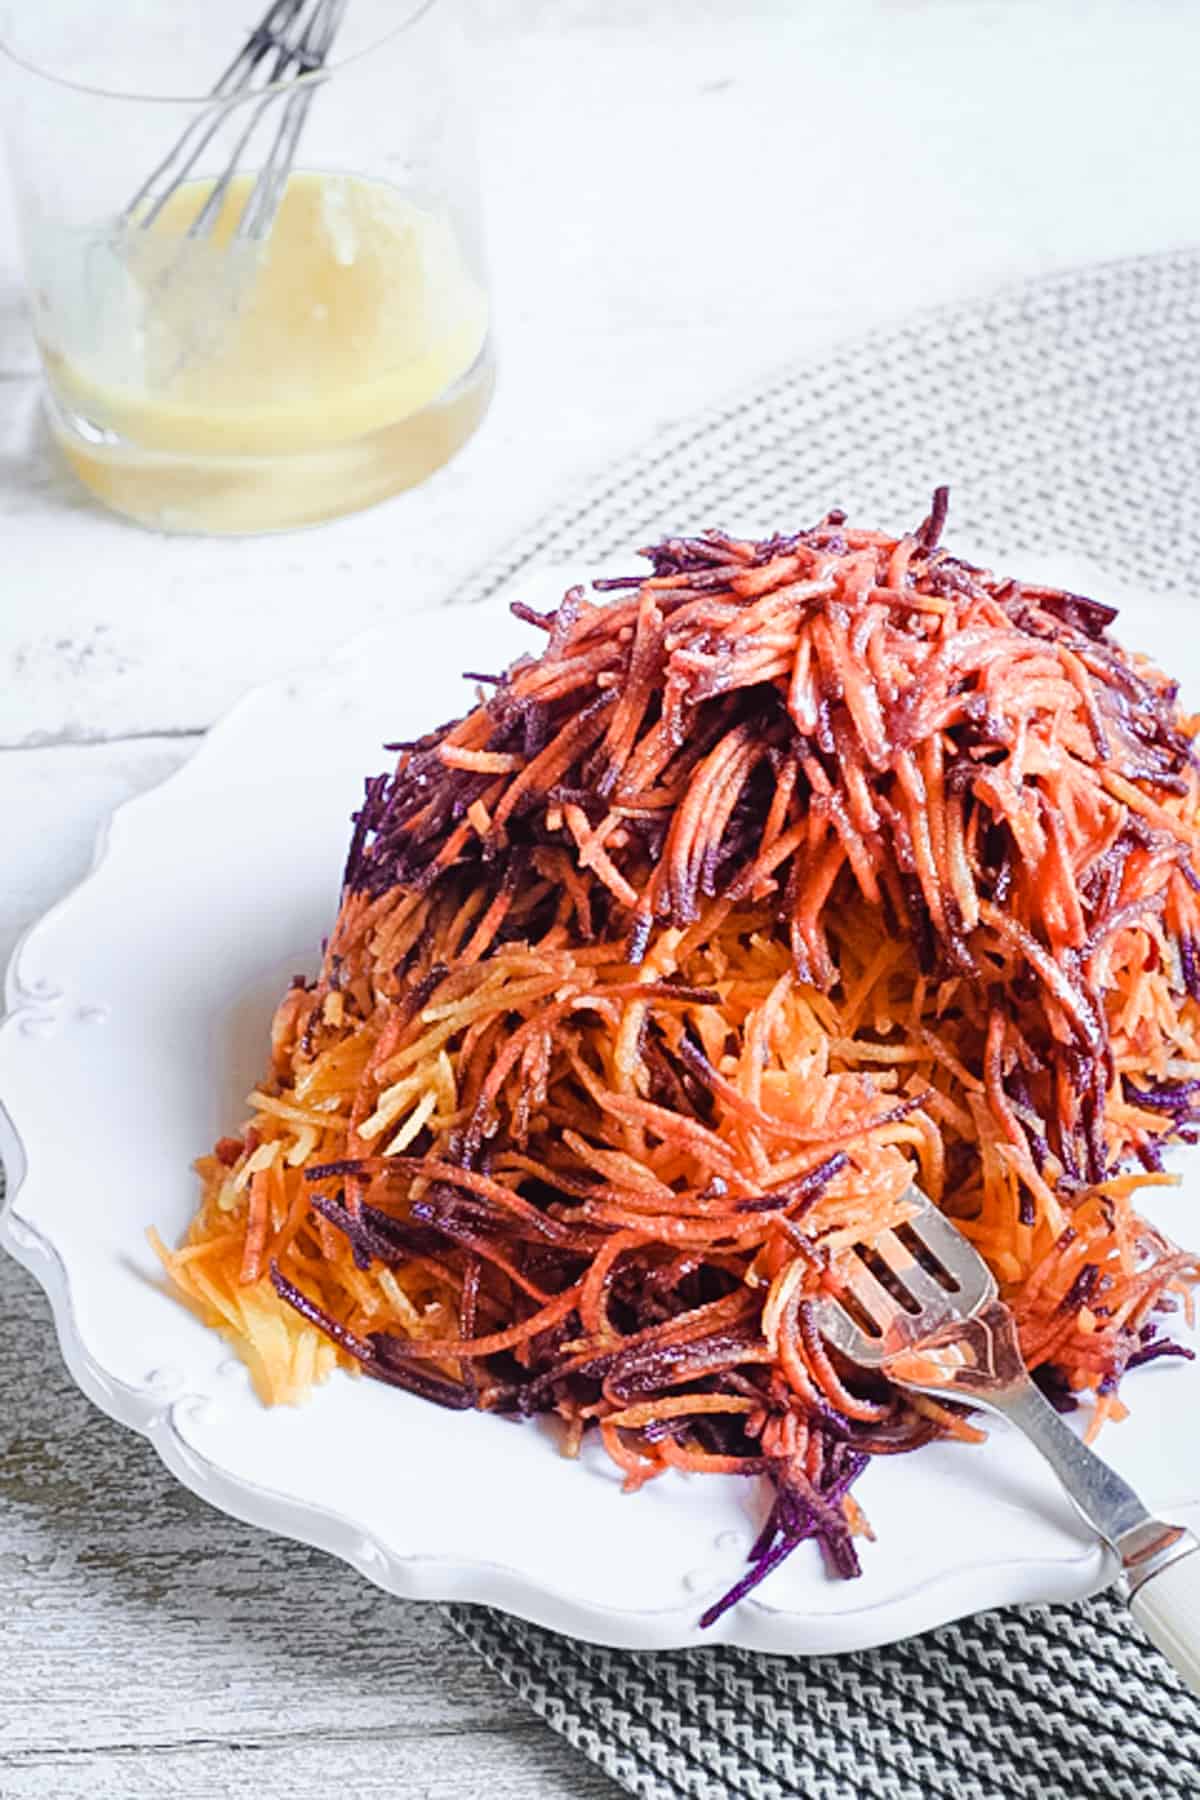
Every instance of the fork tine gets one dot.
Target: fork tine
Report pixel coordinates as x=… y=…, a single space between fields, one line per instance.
x=835 y=1323
x=937 y=1307
x=870 y=1293
x=915 y=1280
x=949 y=1247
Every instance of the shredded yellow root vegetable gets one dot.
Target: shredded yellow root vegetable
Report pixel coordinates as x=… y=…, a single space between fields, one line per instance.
x=801 y=872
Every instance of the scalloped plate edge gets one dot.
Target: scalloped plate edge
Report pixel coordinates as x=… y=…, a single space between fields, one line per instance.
x=954 y=1593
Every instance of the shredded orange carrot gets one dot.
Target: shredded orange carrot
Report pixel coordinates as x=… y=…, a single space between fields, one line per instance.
x=797 y=872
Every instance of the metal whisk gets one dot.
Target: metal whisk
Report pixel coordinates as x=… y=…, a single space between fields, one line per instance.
x=288 y=46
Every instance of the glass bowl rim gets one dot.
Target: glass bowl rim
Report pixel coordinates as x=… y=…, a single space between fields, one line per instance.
x=329 y=72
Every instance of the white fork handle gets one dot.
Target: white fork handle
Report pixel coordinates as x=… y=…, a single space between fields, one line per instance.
x=1167 y=1607
x=1161 y=1562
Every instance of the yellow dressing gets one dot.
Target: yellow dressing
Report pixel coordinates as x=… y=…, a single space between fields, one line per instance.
x=321 y=369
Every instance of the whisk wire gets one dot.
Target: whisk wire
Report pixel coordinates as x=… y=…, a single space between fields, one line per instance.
x=301 y=46
x=267 y=192
x=184 y=154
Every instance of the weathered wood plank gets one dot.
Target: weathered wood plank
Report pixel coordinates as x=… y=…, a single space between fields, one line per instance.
x=521 y=1763
x=154 y=1646
x=151 y=1645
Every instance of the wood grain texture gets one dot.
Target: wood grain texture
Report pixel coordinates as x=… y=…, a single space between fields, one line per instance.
x=518 y=1763
x=153 y=1646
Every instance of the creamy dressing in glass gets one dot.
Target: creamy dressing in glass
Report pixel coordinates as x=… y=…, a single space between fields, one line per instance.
x=220 y=385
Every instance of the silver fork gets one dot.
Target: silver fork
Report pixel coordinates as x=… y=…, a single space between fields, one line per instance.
x=938 y=1326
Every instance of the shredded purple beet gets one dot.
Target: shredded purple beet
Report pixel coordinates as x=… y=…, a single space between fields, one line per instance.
x=346 y=1165
x=1164 y=1096
x=801 y=1512
x=316 y=1315
x=1018 y=1087
x=1147 y=1353
x=1091 y=617
x=1055 y=1386
x=373 y=1353
x=1150 y=1156
x=929 y=533
x=800 y=1194
x=375 y=1237
x=439 y=827
x=416 y=1380
x=1081 y=1289
x=1190 y=966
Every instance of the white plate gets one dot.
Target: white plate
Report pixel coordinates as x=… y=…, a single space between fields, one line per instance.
x=137 y=1022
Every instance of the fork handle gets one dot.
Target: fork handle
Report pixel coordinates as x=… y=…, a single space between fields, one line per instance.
x=1167 y=1607
x=1160 y=1562
x=1108 y=1503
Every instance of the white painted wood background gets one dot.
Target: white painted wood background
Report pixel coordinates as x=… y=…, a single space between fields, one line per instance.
x=681 y=193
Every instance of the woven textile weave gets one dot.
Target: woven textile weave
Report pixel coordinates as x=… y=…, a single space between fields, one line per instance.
x=1066 y=416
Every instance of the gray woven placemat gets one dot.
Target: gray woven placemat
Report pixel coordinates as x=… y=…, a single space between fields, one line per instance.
x=1066 y=416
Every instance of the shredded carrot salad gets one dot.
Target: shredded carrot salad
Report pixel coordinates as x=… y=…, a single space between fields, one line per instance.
x=795 y=872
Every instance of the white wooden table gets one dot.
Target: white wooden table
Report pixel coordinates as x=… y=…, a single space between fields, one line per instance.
x=680 y=194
